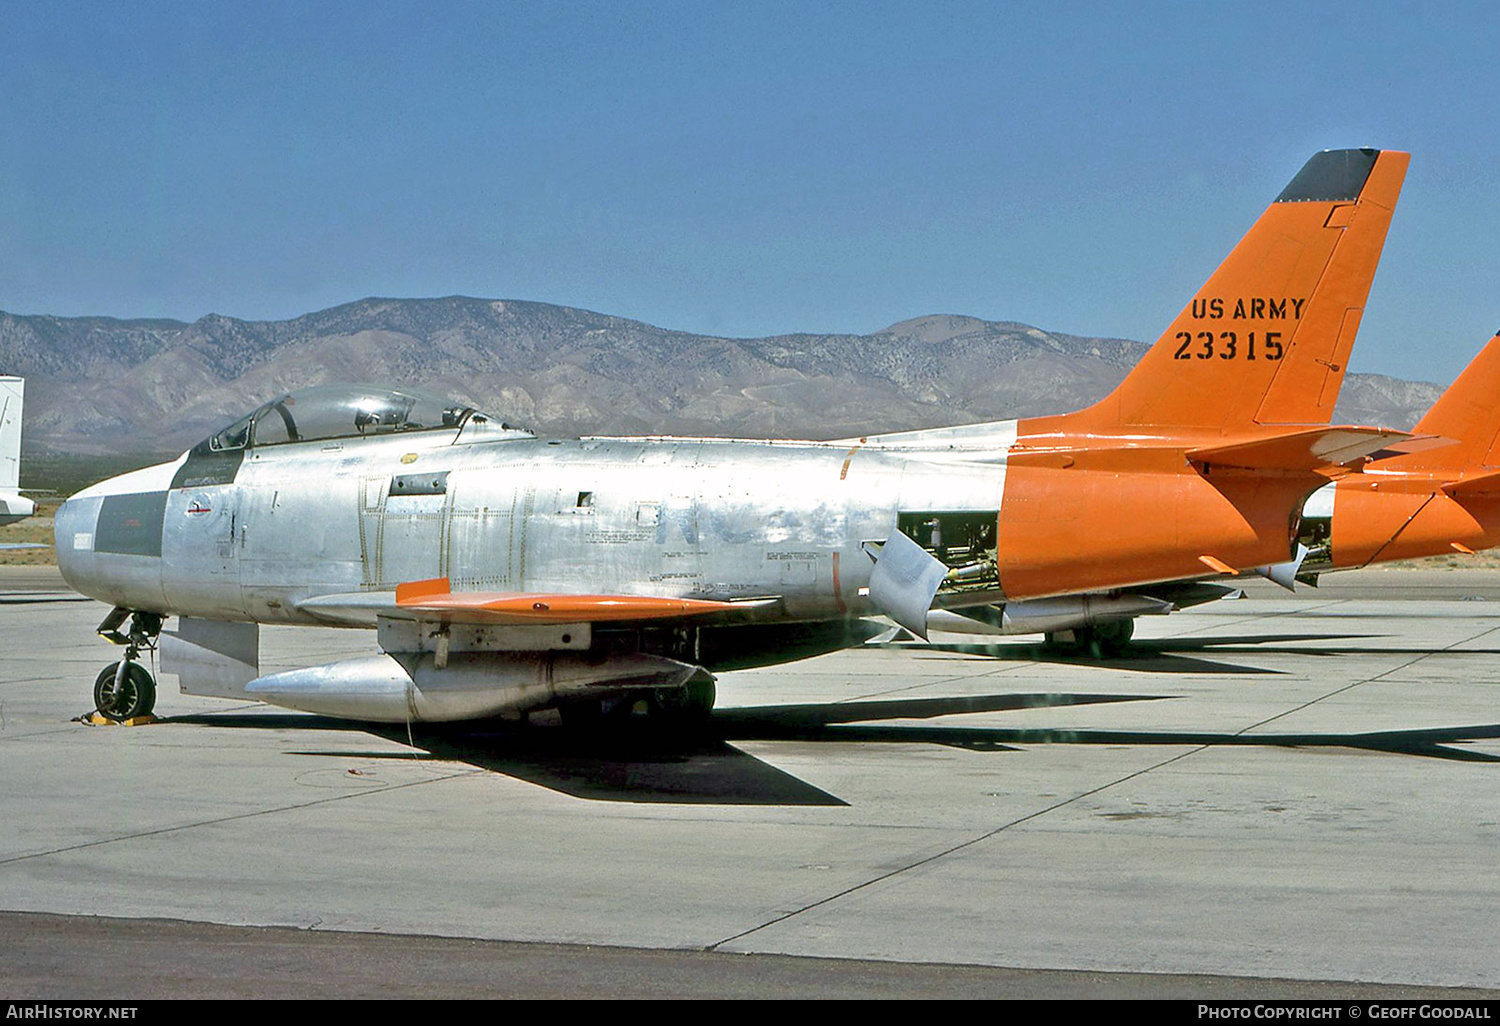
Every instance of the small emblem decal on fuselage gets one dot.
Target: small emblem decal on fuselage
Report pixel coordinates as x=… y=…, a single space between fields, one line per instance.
x=198 y=505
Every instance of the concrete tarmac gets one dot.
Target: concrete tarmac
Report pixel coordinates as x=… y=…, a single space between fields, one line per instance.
x=1277 y=796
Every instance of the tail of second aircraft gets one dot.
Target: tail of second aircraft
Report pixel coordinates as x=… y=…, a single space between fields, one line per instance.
x=1265 y=341
x=1439 y=494
x=1469 y=414
x=12 y=395
x=12 y=505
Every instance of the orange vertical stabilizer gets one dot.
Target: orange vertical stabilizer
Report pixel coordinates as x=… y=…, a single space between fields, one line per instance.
x=1469 y=413
x=1266 y=340
x=1201 y=458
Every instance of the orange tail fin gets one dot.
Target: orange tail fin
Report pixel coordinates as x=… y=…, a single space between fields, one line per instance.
x=1469 y=412
x=1266 y=339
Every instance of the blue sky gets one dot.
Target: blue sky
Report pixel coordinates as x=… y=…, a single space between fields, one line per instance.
x=740 y=169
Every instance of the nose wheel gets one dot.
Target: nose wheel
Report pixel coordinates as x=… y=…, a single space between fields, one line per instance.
x=125 y=690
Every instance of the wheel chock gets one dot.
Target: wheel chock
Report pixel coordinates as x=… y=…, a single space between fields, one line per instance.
x=98 y=719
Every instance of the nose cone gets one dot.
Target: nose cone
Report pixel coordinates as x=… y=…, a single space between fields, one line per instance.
x=108 y=537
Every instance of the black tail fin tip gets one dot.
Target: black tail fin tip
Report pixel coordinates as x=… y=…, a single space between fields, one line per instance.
x=1331 y=176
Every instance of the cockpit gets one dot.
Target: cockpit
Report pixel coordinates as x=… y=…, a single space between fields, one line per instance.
x=331 y=412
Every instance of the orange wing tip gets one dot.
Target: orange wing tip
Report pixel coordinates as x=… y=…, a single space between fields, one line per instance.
x=1218 y=565
x=1461 y=547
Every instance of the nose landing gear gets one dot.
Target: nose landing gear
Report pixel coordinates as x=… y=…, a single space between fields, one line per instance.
x=125 y=690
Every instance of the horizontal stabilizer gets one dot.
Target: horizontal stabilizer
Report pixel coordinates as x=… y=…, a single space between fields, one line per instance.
x=1416 y=443
x=1308 y=449
x=1475 y=485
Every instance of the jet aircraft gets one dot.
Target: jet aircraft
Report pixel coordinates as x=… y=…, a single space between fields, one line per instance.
x=504 y=573
x=13 y=505
x=1442 y=498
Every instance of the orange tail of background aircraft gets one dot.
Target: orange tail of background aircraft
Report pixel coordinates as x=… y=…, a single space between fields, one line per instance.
x=1437 y=500
x=1204 y=453
x=1469 y=413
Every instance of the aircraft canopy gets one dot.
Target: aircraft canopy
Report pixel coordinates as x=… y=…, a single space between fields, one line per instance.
x=326 y=412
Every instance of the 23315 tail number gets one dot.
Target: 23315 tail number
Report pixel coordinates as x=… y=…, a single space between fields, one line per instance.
x=1227 y=345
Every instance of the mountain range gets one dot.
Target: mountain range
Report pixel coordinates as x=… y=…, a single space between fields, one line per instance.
x=98 y=384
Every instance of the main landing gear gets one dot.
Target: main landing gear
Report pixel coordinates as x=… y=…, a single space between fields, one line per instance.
x=687 y=708
x=681 y=711
x=125 y=690
x=1108 y=640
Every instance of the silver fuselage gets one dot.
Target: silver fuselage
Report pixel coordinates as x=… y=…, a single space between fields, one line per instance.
x=693 y=518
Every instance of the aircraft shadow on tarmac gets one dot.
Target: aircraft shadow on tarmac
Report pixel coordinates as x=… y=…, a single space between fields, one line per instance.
x=1147 y=655
x=1164 y=655
x=638 y=764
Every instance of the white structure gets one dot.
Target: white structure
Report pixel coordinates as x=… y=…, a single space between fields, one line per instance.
x=12 y=506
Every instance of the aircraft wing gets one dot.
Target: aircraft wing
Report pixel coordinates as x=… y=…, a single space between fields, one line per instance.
x=435 y=600
x=436 y=597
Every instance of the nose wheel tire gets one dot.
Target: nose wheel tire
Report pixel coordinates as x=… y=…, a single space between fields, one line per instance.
x=125 y=699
